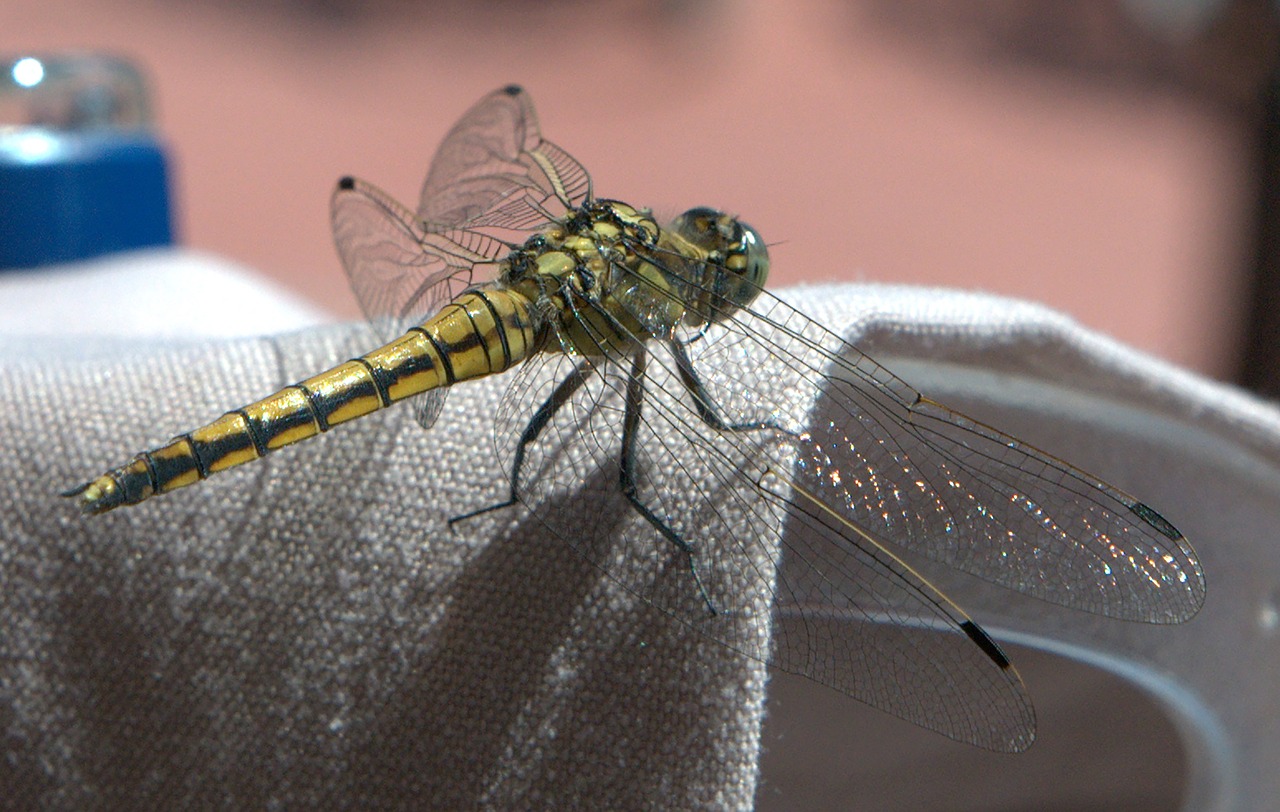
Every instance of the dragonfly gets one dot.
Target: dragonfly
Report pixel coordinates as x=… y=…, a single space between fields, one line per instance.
x=713 y=427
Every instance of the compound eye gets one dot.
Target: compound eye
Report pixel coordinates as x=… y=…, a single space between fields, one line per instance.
x=700 y=226
x=754 y=255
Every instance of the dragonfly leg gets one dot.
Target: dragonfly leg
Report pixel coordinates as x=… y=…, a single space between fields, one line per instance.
x=560 y=396
x=702 y=401
x=630 y=424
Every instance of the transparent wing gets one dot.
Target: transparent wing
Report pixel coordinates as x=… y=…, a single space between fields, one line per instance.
x=871 y=628
x=402 y=273
x=494 y=170
x=927 y=478
x=492 y=181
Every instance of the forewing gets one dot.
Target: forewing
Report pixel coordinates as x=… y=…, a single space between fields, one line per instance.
x=494 y=170
x=934 y=481
x=872 y=629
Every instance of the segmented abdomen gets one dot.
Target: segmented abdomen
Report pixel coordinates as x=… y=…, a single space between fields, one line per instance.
x=480 y=333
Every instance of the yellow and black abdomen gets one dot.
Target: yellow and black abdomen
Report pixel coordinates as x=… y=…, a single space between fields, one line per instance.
x=480 y=333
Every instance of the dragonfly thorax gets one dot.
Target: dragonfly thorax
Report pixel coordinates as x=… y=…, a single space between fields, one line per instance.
x=582 y=272
x=633 y=281
x=585 y=244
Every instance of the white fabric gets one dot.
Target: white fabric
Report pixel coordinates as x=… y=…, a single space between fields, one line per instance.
x=162 y=293
x=306 y=631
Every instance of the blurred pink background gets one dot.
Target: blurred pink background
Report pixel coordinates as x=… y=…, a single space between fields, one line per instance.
x=862 y=143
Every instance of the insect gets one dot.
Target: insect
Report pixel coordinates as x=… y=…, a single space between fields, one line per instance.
x=714 y=426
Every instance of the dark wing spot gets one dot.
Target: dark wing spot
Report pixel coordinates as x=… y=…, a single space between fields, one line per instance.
x=1160 y=523
x=984 y=641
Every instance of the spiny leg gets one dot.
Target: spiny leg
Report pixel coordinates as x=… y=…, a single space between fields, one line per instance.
x=702 y=401
x=626 y=478
x=559 y=397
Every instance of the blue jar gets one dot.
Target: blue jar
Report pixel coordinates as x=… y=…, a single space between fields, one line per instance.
x=81 y=172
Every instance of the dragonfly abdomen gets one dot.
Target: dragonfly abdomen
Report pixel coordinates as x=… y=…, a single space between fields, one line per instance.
x=480 y=333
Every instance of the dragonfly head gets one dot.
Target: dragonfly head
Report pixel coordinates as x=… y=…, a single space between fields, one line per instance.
x=737 y=262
